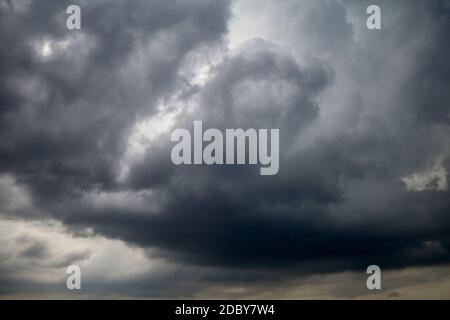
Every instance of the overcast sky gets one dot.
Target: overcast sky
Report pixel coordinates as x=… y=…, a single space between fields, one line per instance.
x=86 y=177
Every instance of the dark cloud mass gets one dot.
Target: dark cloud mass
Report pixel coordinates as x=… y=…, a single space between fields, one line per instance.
x=363 y=116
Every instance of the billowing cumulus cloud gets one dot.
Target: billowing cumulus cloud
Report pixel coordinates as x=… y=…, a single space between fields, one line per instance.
x=85 y=140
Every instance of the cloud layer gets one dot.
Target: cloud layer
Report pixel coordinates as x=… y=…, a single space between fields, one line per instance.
x=86 y=118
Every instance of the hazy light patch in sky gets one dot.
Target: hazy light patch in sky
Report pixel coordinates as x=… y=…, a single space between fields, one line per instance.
x=249 y=21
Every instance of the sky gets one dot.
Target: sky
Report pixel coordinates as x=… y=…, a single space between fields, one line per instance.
x=86 y=176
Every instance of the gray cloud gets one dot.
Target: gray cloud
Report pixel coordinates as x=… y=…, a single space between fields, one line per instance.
x=363 y=118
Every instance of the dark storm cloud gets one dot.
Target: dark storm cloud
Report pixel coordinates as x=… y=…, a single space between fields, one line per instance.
x=67 y=133
x=338 y=202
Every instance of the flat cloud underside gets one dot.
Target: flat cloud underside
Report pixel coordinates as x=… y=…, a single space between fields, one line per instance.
x=339 y=201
